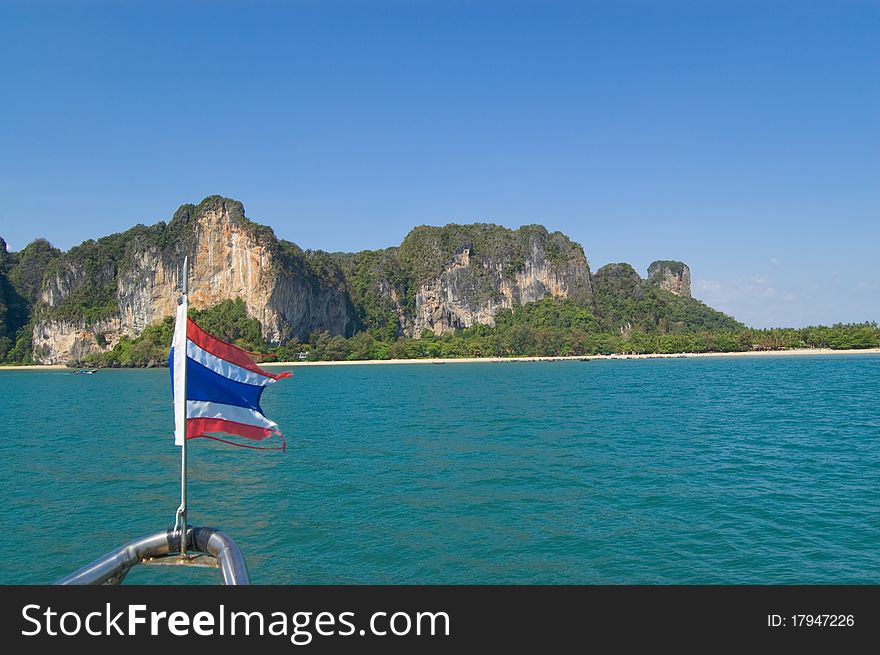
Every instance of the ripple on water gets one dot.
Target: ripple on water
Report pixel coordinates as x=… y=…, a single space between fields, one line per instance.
x=758 y=470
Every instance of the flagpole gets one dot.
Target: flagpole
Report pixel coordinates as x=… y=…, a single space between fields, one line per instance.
x=183 y=535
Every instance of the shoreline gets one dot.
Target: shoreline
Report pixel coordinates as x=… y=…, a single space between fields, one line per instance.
x=493 y=360
x=498 y=360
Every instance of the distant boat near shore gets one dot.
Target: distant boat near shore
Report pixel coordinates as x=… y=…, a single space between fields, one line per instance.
x=84 y=371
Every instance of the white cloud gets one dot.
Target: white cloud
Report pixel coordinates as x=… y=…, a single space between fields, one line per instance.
x=774 y=300
x=756 y=300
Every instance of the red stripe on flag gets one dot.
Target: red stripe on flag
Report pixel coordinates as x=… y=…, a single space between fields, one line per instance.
x=197 y=427
x=200 y=427
x=227 y=351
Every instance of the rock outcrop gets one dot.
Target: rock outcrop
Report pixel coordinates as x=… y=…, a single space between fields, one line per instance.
x=101 y=291
x=662 y=303
x=21 y=276
x=619 y=280
x=492 y=268
x=671 y=276
x=440 y=279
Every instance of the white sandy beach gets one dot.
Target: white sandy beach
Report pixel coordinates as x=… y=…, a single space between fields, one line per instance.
x=471 y=360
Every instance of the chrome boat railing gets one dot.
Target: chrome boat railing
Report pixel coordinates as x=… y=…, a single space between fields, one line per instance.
x=210 y=547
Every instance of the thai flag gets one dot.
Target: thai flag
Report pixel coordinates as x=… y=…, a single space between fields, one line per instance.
x=223 y=387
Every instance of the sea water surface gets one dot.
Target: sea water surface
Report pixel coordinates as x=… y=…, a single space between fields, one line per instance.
x=721 y=470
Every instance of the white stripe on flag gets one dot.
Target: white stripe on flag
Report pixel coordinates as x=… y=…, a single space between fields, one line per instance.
x=205 y=409
x=178 y=343
x=226 y=369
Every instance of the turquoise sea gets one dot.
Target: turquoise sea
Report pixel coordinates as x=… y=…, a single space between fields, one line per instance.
x=721 y=470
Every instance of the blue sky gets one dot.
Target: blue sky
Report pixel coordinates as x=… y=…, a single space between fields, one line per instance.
x=741 y=137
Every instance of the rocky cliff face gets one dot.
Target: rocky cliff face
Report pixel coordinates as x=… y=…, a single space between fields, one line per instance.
x=442 y=279
x=129 y=281
x=619 y=280
x=662 y=303
x=21 y=275
x=438 y=280
x=232 y=258
x=671 y=276
x=483 y=277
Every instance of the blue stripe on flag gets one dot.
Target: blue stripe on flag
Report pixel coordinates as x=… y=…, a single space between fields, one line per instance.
x=204 y=384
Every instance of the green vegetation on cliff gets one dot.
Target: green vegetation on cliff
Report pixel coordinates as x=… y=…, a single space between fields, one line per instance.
x=230 y=322
x=21 y=278
x=547 y=328
x=515 y=337
x=85 y=284
x=227 y=320
x=626 y=303
x=5 y=341
x=426 y=251
x=470 y=269
x=377 y=284
x=661 y=266
x=383 y=283
x=83 y=281
x=181 y=228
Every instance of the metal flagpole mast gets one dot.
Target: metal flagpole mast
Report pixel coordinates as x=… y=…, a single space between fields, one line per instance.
x=183 y=535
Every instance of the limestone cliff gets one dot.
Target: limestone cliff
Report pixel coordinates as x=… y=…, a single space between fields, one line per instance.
x=619 y=280
x=67 y=306
x=661 y=303
x=117 y=286
x=671 y=276
x=21 y=275
x=442 y=279
x=490 y=268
